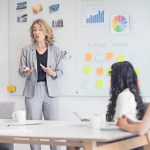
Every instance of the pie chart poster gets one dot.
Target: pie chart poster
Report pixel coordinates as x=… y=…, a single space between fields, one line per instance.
x=123 y=24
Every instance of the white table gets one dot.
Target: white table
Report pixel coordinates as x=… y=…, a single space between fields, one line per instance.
x=70 y=134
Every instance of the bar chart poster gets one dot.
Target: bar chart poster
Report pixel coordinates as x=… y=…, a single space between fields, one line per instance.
x=93 y=15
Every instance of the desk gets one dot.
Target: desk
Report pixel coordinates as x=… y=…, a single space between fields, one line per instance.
x=59 y=132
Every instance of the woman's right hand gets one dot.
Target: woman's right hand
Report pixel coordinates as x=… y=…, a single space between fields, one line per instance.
x=27 y=70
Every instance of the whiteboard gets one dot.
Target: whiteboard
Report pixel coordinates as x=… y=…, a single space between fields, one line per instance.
x=93 y=44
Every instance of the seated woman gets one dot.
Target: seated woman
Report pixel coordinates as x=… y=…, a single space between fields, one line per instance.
x=125 y=96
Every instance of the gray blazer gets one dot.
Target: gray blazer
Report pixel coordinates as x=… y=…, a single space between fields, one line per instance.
x=28 y=58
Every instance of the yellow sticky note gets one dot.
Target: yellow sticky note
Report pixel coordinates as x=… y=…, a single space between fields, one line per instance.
x=99 y=83
x=11 y=88
x=137 y=72
x=109 y=56
x=99 y=71
x=88 y=57
x=109 y=71
x=121 y=58
x=87 y=69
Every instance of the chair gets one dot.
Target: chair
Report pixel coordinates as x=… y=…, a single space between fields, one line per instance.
x=6 y=110
x=145 y=108
x=146 y=105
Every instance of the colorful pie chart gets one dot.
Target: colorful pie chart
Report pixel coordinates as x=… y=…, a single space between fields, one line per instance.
x=119 y=23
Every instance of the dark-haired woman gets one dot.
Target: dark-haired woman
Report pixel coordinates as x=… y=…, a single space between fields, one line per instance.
x=125 y=96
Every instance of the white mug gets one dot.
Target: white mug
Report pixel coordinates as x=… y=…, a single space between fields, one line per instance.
x=96 y=121
x=19 y=115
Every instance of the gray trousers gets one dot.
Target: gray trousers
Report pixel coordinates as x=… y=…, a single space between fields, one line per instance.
x=40 y=104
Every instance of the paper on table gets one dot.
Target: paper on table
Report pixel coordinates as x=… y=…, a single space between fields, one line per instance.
x=12 y=123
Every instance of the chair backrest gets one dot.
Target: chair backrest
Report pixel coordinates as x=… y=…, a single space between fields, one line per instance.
x=145 y=106
x=6 y=109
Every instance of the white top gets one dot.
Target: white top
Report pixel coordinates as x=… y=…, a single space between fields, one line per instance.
x=126 y=105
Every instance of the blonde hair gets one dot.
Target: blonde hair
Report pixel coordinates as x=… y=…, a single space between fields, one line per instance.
x=47 y=30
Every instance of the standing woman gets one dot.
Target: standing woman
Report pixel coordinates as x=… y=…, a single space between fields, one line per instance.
x=40 y=64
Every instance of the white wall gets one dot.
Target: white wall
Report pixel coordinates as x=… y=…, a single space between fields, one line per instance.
x=84 y=105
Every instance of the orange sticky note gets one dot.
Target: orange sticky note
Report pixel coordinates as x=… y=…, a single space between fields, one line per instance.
x=138 y=83
x=109 y=56
x=99 y=71
x=109 y=82
x=88 y=57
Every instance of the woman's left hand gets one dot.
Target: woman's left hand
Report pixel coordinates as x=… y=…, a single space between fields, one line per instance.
x=49 y=70
x=122 y=122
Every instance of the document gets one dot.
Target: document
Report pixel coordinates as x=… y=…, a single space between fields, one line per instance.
x=15 y=123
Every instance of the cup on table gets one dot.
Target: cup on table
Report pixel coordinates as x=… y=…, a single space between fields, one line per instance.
x=97 y=121
x=19 y=115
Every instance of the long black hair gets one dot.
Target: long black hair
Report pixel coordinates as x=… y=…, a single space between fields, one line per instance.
x=123 y=76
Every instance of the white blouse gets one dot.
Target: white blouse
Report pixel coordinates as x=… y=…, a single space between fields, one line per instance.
x=126 y=105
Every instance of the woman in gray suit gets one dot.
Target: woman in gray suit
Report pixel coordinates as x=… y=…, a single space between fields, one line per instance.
x=40 y=64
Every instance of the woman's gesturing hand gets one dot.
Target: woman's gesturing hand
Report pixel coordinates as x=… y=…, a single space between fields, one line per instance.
x=27 y=70
x=49 y=70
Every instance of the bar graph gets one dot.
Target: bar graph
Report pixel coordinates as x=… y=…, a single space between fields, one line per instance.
x=97 y=18
x=94 y=15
